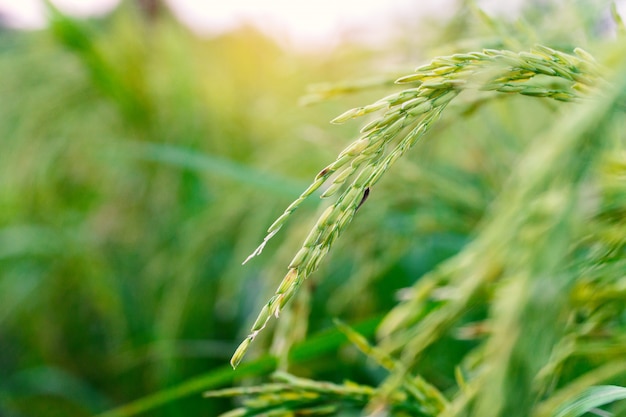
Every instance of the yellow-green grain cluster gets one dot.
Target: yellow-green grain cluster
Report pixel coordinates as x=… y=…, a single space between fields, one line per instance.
x=291 y=395
x=406 y=117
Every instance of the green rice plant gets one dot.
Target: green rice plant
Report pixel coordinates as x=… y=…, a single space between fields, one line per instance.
x=409 y=115
x=546 y=263
x=484 y=274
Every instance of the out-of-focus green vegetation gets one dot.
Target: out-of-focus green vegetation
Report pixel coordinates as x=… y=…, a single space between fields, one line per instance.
x=141 y=164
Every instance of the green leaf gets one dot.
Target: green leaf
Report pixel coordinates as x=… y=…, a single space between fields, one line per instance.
x=590 y=399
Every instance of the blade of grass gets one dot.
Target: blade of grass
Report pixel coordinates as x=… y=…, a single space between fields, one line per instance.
x=181 y=157
x=592 y=398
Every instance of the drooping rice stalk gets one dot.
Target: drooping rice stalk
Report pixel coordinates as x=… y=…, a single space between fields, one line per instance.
x=406 y=117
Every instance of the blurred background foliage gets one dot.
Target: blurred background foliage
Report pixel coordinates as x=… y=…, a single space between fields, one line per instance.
x=141 y=164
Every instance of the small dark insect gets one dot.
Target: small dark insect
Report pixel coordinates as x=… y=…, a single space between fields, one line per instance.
x=366 y=194
x=322 y=173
